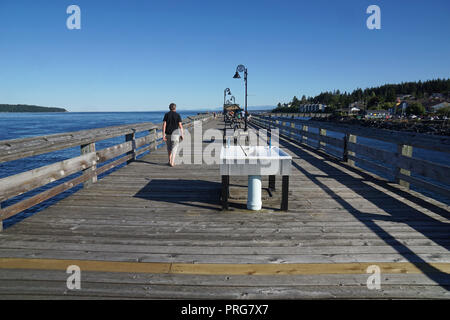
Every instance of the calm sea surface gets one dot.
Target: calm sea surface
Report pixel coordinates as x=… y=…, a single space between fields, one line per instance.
x=22 y=125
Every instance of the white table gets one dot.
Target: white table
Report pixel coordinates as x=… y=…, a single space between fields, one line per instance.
x=254 y=162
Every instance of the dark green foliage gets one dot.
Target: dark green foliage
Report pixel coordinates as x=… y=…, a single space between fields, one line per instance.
x=373 y=103
x=373 y=98
x=415 y=108
x=27 y=108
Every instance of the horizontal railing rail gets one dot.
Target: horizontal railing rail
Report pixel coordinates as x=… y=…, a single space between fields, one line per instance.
x=88 y=163
x=297 y=114
x=401 y=164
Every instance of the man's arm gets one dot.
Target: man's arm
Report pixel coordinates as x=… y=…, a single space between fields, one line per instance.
x=164 y=131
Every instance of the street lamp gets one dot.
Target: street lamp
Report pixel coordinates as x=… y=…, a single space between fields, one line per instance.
x=241 y=68
x=225 y=92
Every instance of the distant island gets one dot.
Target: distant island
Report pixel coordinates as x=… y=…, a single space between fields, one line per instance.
x=28 y=108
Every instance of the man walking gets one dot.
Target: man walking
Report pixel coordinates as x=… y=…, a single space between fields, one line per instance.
x=171 y=134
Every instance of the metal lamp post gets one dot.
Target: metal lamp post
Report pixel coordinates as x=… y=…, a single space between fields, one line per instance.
x=241 y=68
x=225 y=92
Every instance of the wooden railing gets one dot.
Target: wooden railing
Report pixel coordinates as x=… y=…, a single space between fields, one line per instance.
x=298 y=114
x=88 y=163
x=400 y=164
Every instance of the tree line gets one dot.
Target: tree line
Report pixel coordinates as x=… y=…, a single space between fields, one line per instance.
x=28 y=108
x=375 y=98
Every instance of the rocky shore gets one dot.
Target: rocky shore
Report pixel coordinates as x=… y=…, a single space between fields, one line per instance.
x=434 y=127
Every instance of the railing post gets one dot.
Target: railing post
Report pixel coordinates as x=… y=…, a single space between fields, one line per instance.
x=406 y=151
x=131 y=137
x=153 y=133
x=349 y=138
x=88 y=148
x=304 y=139
x=322 y=132
x=292 y=135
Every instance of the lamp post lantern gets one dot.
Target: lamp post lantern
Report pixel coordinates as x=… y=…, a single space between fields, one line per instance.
x=241 y=68
x=225 y=92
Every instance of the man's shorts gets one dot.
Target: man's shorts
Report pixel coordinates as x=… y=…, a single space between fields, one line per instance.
x=172 y=142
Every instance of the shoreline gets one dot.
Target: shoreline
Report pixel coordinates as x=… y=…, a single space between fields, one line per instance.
x=431 y=127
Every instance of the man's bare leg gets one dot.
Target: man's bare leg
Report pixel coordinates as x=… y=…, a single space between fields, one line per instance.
x=169 y=153
x=172 y=163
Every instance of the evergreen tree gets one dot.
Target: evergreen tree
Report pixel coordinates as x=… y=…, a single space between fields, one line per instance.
x=415 y=108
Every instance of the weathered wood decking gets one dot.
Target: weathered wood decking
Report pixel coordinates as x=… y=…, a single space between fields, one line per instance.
x=151 y=231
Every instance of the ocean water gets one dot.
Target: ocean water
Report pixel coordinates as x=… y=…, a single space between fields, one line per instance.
x=23 y=125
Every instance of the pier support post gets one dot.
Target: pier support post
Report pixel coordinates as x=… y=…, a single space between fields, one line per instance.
x=88 y=148
x=131 y=137
x=406 y=151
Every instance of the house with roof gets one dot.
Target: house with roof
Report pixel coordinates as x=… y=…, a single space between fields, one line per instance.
x=377 y=114
x=317 y=107
x=439 y=105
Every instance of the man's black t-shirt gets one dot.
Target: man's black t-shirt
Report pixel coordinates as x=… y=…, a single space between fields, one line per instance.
x=172 y=119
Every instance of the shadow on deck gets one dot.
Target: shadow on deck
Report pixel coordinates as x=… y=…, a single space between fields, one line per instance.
x=376 y=188
x=193 y=193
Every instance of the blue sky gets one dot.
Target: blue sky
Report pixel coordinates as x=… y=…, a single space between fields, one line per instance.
x=137 y=55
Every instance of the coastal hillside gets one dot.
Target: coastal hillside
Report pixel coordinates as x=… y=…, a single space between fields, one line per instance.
x=28 y=108
x=376 y=98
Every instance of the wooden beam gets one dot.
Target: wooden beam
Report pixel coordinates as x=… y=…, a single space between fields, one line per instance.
x=225 y=268
x=45 y=195
x=322 y=135
x=90 y=170
x=304 y=138
x=421 y=140
x=406 y=151
x=131 y=137
x=350 y=138
x=26 y=181
x=27 y=147
x=154 y=137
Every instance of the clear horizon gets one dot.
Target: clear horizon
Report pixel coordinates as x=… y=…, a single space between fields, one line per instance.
x=144 y=53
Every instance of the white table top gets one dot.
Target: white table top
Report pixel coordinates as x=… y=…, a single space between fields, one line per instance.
x=253 y=153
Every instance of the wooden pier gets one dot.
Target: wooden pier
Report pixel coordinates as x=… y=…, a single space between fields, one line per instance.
x=148 y=230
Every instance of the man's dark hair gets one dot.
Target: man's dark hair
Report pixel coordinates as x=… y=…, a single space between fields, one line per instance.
x=172 y=106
